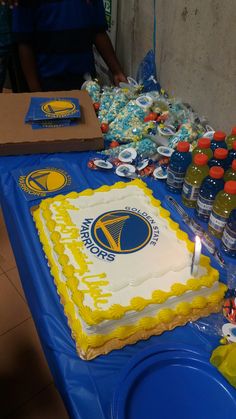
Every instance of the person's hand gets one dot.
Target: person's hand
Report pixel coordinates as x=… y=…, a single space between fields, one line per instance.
x=10 y=3
x=118 y=78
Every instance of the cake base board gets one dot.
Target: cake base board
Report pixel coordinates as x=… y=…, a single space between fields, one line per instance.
x=179 y=320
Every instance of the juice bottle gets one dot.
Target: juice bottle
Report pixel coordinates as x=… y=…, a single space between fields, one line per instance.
x=231 y=138
x=179 y=162
x=232 y=153
x=220 y=158
x=197 y=171
x=203 y=146
x=210 y=186
x=228 y=243
x=218 y=140
x=224 y=203
x=231 y=172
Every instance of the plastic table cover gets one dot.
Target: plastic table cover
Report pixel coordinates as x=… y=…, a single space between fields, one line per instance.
x=87 y=387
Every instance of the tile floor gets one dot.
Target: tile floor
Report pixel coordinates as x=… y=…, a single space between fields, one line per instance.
x=26 y=385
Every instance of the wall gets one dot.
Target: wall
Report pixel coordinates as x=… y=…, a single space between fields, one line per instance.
x=196 y=51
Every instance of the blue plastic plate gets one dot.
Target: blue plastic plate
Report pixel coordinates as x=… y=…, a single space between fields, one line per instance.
x=173 y=383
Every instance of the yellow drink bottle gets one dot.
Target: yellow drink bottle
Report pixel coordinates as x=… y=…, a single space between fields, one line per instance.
x=230 y=174
x=196 y=173
x=204 y=147
x=231 y=138
x=224 y=203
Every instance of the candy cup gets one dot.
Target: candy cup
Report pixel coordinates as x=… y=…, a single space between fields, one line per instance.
x=160 y=173
x=103 y=164
x=125 y=170
x=127 y=155
x=165 y=151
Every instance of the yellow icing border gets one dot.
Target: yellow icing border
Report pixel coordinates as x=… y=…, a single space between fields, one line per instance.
x=165 y=315
x=94 y=317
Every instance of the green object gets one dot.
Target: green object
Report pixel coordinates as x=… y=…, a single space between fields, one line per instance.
x=224 y=359
x=224 y=203
x=231 y=138
x=196 y=173
x=231 y=172
x=203 y=146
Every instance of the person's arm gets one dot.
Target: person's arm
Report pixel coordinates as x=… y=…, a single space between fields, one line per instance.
x=28 y=65
x=106 y=50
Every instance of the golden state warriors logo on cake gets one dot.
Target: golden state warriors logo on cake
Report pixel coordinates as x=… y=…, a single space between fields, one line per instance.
x=43 y=182
x=119 y=232
x=59 y=108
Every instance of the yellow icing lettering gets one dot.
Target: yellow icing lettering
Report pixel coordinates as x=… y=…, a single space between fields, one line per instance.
x=95 y=288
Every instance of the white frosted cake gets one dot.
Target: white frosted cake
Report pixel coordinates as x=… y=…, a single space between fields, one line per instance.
x=122 y=266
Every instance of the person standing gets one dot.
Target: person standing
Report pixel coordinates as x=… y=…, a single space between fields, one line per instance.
x=55 y=42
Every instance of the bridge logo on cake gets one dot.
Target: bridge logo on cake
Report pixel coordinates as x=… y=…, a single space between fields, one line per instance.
x=121 y=231
x=44 y=181
x=58 y=108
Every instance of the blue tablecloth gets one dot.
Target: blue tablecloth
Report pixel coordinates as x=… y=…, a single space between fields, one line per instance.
x=86 y=387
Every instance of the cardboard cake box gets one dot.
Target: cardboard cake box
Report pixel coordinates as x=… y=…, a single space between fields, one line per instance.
x=17 y=137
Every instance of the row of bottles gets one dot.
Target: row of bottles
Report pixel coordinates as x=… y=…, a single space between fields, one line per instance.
x=206 y=186
x=182 y=157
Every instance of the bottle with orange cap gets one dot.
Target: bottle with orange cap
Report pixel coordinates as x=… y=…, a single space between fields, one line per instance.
x=220 y=158
x=232 y=153
x=231 y=172
x=228 y=243
x=203 y=146
x=197 y=171
x=218 y=140
x=224 y=203
x=231 y=138
x=210 y=186
x=179 y=162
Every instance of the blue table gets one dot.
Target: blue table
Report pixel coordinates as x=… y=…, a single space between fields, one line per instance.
x=87 y=388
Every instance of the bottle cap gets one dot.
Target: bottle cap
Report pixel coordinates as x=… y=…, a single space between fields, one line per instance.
x=200 y=159
x=234 y=164
x=216 y=172
x=204 y=142
x=183 y=146
x=230 y=187
x=221 y=153
x=233 y=132
x=219 y=136
x=234 y=145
